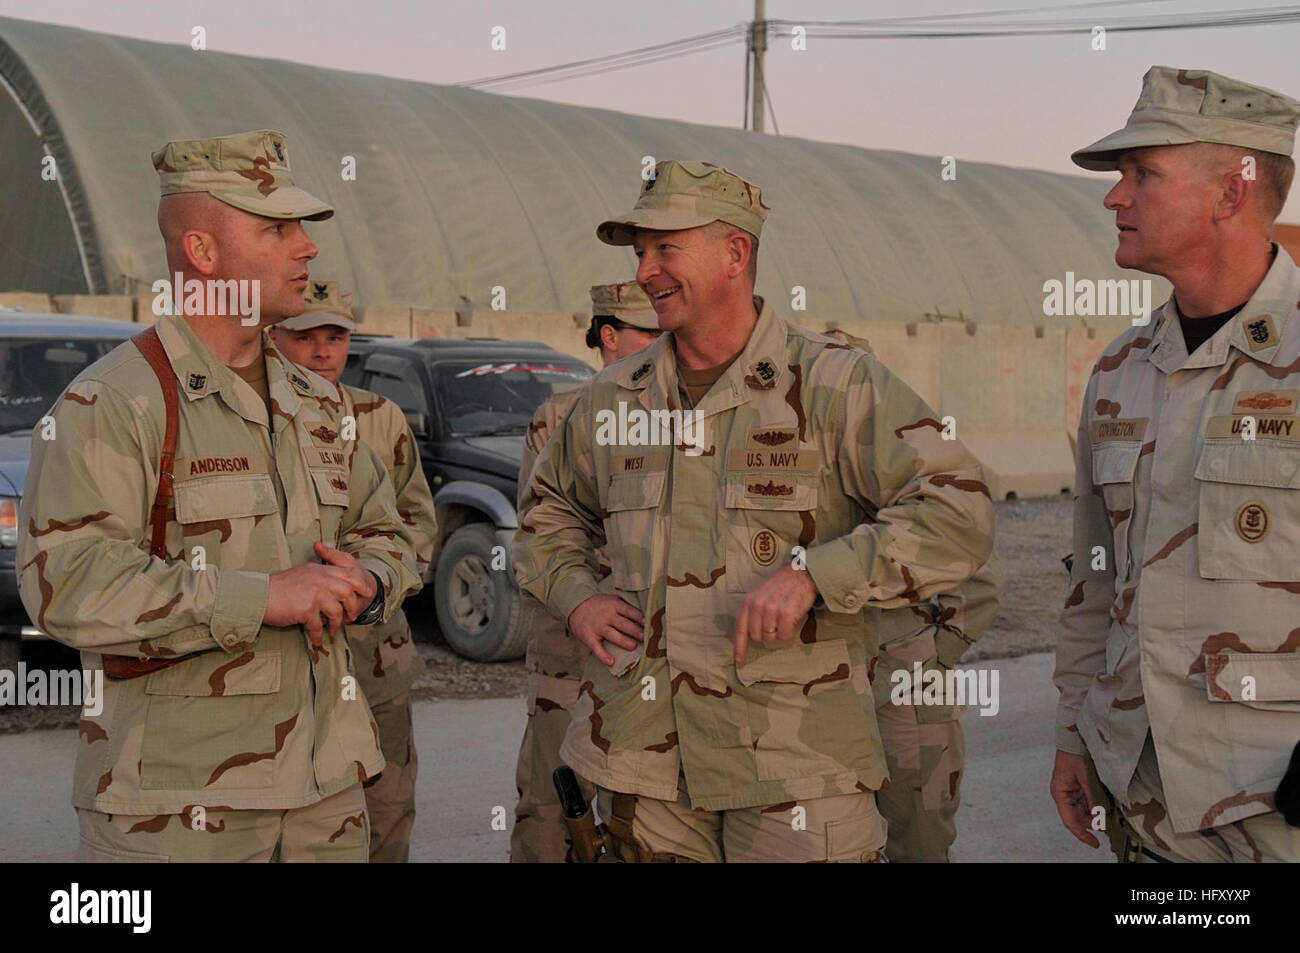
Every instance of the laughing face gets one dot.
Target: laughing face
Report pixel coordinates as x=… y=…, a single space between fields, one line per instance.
x=683 y=273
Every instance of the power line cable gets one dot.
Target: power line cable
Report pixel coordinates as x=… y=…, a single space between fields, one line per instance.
x=946 y=26
x=636 y=57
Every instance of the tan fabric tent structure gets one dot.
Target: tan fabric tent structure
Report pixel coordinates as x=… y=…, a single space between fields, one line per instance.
x=458 y=191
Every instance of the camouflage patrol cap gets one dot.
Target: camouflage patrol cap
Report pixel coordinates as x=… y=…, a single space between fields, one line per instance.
x=327 y=304
x=683 y=195
x=249 y=171
x=1179 y=106
x=626 y=301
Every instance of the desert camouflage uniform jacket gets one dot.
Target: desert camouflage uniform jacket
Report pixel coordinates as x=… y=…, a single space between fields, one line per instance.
x=555 y=659
x=806 y=442
x=1192 y=627
x=388 y=662
x=940 y=629
x=255 y=718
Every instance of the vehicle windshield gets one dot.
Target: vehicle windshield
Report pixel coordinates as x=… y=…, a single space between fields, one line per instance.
x=500 y=397
x=35 y=371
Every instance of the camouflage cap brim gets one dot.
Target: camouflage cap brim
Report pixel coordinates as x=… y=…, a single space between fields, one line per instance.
x=626 y=301
x=622 y=231
x=284 y=203
x=1178 y=107
x=1174 y=130
x=248 y=171
x=316 y=319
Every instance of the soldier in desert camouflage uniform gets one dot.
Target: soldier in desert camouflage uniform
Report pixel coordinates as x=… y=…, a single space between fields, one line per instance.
x=741 y=724
x=388 y=662
x=924 y=745
x=230 y=729
x=622 y=323
x=1179 y=656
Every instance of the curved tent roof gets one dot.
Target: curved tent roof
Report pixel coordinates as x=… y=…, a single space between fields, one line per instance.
x=459 y=191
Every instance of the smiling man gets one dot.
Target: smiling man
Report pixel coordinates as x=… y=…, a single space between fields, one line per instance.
x=737 y=722
x=1178 y=661
x=231 y=727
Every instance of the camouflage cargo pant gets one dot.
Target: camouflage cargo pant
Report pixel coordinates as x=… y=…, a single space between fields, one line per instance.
x=390 y=797
x=335 y=829
x=845 y=828
x=925 y=752
x=554 y=664
x=1264 y=838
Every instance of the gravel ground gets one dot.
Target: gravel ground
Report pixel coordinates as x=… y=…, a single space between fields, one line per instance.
x=1032 y=536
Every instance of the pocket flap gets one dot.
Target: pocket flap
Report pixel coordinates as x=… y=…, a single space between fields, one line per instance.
x=216 y=673
x=225 y=497
x=1249 y=462
x=331 y=486
x=804 y=664
x=1253 y=677
x=1114 y=462
x=638 y=492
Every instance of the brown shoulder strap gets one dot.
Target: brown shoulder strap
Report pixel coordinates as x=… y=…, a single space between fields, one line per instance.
x=151 y=347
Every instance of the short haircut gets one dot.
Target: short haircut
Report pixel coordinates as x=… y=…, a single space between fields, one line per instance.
x=1276 y=172
x=1273 y=172
x=598 y=321
x=721 y=231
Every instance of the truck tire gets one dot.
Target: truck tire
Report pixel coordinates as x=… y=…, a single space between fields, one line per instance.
x=479 y=609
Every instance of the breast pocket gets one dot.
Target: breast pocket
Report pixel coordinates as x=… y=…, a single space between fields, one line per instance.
x=631 y=528
x=226 y=509
x=1113 y=469
x=332 y=495
x=767 y=514
x=1249 y=511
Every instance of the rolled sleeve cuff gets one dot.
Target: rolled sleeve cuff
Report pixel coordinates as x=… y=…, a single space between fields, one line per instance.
x=1068 y=740
x=570 y=592
x=835 y=571
x=388 y=579
x=239 y=608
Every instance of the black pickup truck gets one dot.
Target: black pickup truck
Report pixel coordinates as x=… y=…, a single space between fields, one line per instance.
x=469 y=402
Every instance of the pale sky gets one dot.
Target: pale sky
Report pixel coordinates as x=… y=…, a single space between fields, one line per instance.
x=1021 y=101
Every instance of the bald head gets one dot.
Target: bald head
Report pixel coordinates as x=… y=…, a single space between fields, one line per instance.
x=187 y=212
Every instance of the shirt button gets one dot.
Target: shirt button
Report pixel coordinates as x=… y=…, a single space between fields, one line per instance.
x=851 y=601
x=230 y=640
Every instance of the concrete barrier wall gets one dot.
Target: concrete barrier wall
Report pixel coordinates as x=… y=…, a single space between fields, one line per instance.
x=1014 y=392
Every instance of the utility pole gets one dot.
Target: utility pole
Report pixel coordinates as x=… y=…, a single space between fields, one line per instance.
x=757 y=48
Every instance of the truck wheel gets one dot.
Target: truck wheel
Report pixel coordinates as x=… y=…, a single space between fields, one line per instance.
x=478 y=607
